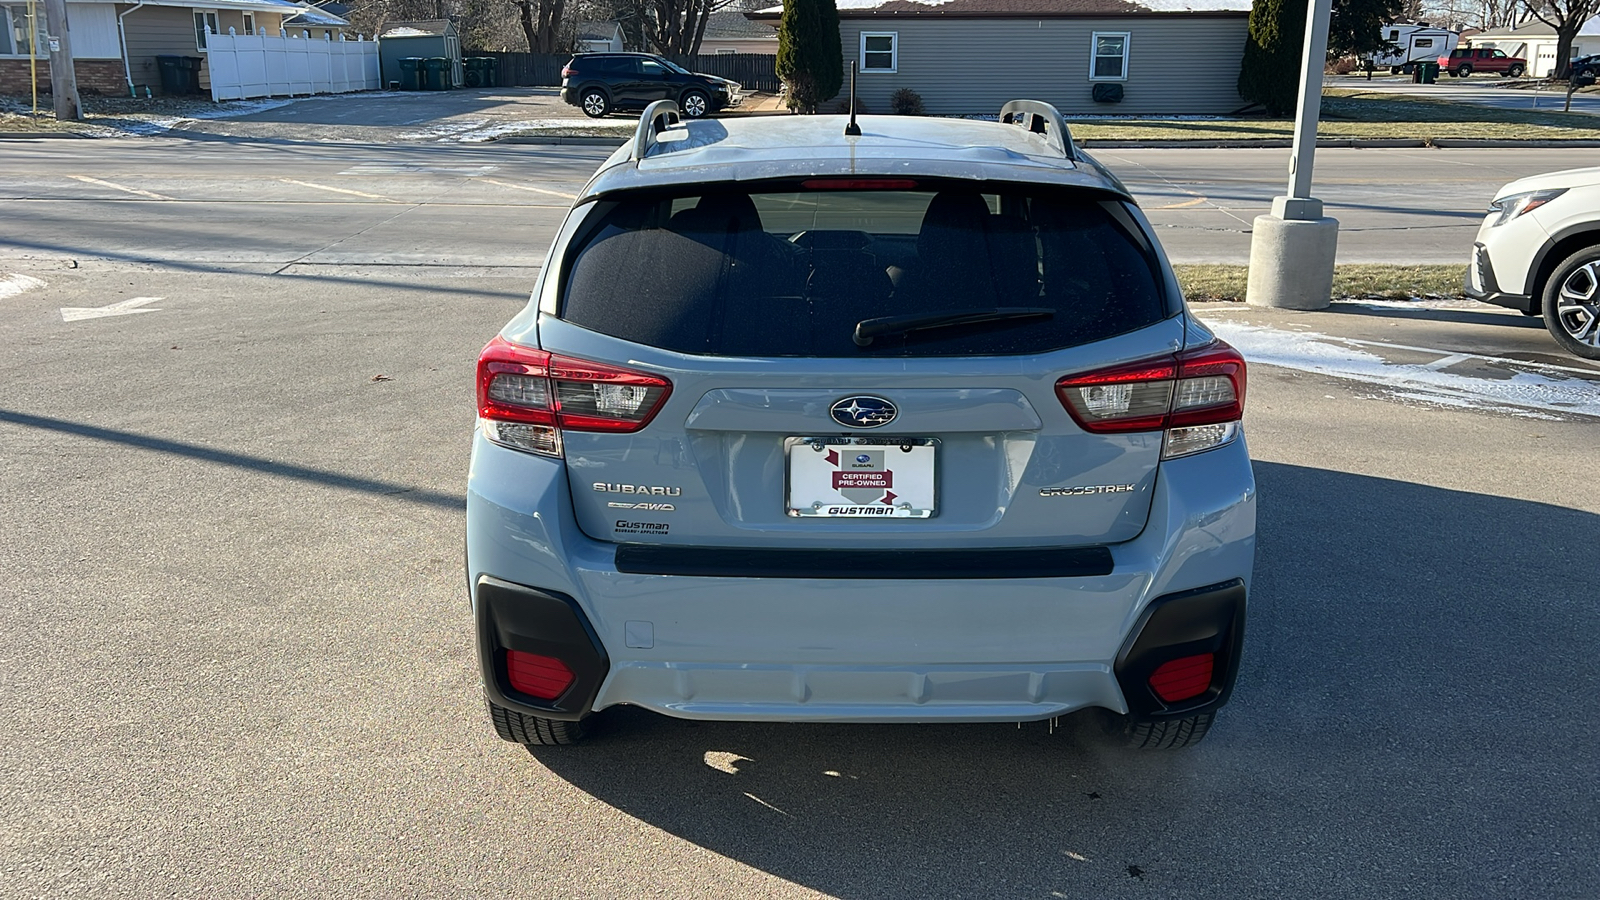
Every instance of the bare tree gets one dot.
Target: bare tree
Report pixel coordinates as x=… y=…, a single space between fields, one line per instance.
x=1567 y=18
x=541 y=24
x=676 y=27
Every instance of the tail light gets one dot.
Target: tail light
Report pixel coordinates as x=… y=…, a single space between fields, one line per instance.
x=568 y=71
x=1182 y=679
x=526 y=397
x=1196 y=397
x=542 y=677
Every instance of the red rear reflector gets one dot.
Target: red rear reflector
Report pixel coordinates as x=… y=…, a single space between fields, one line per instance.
x=858 y=184
x=1183 y=678
x=542 y=677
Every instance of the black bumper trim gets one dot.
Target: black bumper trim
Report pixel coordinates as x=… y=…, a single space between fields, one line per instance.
x=1204 y=620
x=745 y=562
x=513 y=617
x=1491 y=292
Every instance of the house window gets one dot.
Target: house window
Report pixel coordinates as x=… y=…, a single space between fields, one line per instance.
x=880 y=51
x=14 y=31
x=1109 y=61
x=249 y=23
x=1394 y=34
x=204 y=22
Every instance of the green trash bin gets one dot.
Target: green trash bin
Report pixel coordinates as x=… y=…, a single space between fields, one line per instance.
x=491 y=71
x=411 y=73
x=473 y=66
x=438 y=72
x=1430 y=73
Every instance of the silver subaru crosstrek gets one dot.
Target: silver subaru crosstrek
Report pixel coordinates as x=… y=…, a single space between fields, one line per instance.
x=905 y=426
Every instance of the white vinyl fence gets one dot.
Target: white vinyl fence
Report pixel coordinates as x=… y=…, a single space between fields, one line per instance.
x=259 y=65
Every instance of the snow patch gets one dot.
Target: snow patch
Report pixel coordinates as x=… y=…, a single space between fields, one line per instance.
x=1524 y=391
x=12 y=285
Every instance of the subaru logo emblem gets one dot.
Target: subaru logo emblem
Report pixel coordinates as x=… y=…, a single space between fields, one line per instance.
x=863 y=458
x=863 y=412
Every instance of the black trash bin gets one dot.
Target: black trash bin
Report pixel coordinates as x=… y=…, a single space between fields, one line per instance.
x=411 y=73
x=1430 y=73
x=179 y=74
x=474 y=71
x=491 y=71
x=438 y=72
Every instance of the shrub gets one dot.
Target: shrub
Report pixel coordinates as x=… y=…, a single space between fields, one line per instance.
x=810 y=60
x=906 y=102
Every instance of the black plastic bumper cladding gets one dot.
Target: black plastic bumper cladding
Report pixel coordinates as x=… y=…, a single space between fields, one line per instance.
x=512 y=617
x=1204 y=620
x=748 y=562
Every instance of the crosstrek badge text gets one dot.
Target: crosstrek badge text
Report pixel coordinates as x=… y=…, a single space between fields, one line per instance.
x=1085 y=489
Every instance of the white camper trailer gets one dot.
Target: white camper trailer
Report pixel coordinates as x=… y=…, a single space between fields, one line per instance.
x=1413 y=44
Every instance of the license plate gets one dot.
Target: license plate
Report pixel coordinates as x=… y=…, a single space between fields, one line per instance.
x=862 y=477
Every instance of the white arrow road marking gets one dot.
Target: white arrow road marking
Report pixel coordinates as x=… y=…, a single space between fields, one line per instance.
x=87 y=180
x=323 y=187
x=523 y=187
x=120 y=308
x=12 y=285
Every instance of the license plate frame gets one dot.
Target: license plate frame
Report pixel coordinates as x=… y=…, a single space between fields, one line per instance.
x=919 y=476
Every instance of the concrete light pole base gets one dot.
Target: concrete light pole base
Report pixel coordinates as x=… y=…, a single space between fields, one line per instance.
x=1291 y=260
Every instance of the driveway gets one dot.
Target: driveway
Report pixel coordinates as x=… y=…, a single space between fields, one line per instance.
x=1483 y=90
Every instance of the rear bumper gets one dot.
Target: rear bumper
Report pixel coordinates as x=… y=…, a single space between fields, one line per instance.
x=867 y=650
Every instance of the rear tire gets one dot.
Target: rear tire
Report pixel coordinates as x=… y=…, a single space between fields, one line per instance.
x=535 y=731
x=1514 y=72
x=595 y=103
x=1463 y=71
x=1161 y=734
x=1571 y=303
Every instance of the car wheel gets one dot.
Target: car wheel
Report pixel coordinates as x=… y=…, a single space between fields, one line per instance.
x=1572 y=303
x=1162 y=734
x=1394 y=70
x=695 y=104
x=595 y=103
x=1514 y=72
x=535 y=731
x=1463 y=71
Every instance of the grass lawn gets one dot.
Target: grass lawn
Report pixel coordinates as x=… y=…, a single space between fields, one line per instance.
x=1353 y=113
x=1387 y=282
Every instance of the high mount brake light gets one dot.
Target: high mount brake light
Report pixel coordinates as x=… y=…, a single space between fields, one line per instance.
x=1196 y=397
x=526 y=397
x=858 y=184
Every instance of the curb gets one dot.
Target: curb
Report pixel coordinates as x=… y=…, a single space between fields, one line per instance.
x=31 y=135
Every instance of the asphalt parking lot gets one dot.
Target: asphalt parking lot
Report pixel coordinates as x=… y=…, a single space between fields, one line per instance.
x=237 y=659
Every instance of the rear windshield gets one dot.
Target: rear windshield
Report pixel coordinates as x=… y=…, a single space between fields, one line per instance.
x=792 y=272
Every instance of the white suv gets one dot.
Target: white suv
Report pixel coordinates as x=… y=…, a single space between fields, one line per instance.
x=1539 y=252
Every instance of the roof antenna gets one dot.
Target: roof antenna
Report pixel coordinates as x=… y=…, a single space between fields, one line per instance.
x=852 y=129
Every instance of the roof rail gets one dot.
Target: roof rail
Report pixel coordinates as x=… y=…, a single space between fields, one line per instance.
x=658 y=117
x=1041 y=118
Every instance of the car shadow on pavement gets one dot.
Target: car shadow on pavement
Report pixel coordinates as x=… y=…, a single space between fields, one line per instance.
x=1506 y=319
x=1414 y=716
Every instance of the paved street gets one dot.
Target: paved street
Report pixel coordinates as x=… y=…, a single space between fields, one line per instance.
x=234 y=645
x=266 y=205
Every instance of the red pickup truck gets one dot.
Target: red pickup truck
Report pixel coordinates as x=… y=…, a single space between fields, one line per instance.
x=1466 y=60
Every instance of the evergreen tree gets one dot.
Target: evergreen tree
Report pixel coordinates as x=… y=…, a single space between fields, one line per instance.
x=810 y=61
x=1270 y=72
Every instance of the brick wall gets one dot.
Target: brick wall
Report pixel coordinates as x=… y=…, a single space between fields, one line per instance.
x=95 y=76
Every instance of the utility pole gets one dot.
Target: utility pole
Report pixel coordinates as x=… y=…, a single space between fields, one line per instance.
x=1292 y=249
x=63 y=80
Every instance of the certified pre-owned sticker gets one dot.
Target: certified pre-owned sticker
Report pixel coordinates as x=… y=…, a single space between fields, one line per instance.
x=652 y=507
x=623 y=526
x=1082 y=490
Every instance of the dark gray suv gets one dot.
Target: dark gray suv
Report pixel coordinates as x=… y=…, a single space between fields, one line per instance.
x=602 y=83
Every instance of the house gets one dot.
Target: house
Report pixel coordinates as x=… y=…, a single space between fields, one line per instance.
x=598 y=37
x=1535 y=42
x=115 y=45
x=731 y=32
x=323 y=21
x=966 y=57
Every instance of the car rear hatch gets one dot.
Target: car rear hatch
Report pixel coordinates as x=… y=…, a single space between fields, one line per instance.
x=769 y=373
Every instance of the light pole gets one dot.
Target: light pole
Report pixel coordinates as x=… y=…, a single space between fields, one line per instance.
x=1292 y=248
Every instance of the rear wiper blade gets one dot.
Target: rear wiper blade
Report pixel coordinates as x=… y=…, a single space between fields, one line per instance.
x=867 y=329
